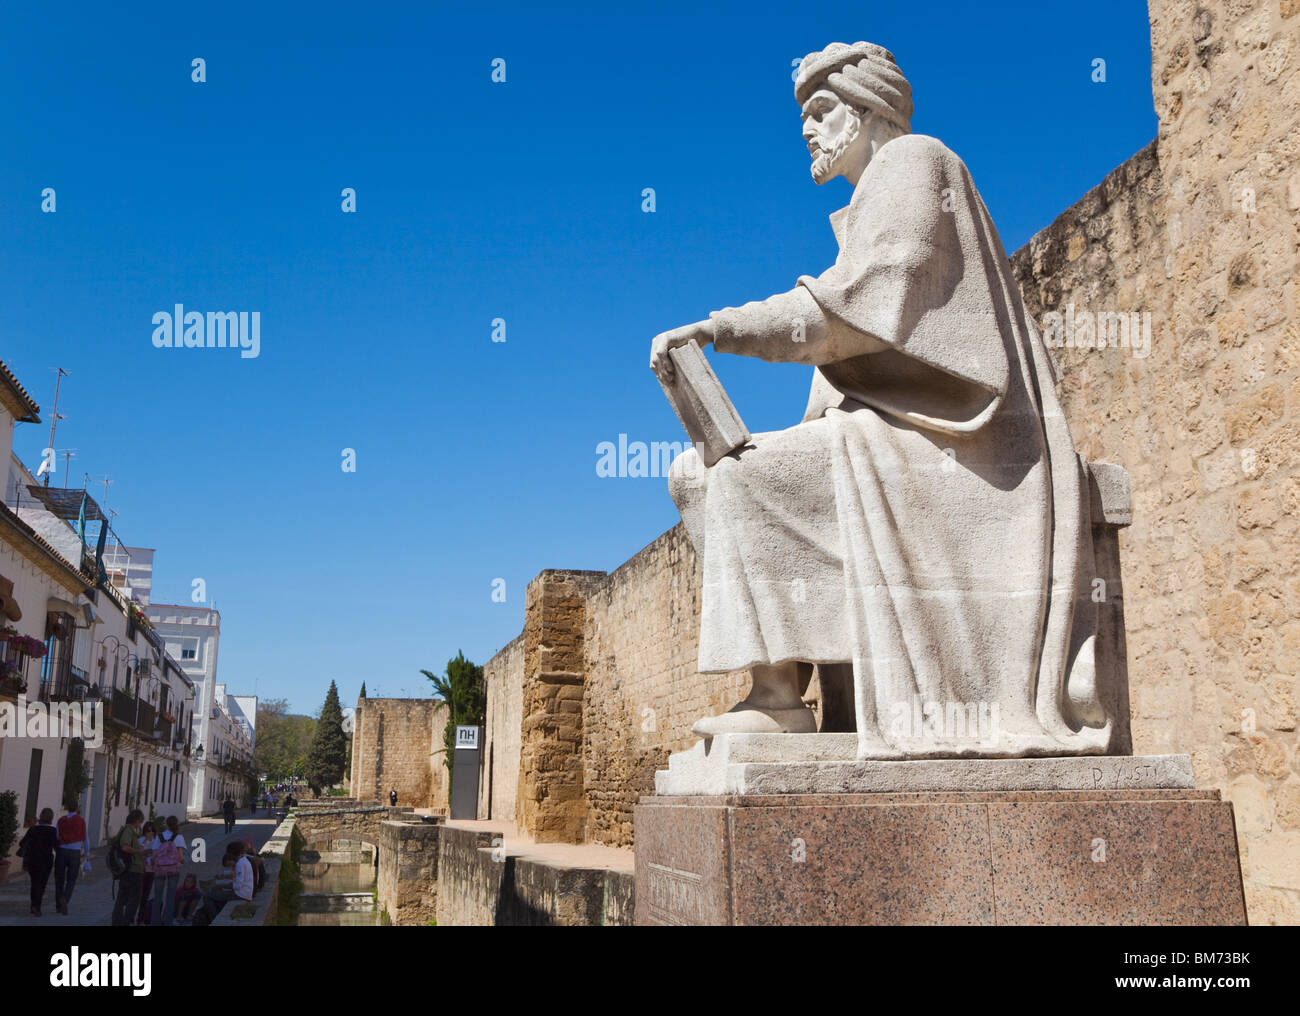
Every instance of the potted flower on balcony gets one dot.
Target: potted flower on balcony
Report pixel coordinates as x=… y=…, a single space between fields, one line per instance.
x=166 y=716
x=11 y=678
x=8 y=829
x=28 y=646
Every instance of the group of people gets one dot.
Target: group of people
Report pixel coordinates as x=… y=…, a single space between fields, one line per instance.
x=152 y=885
x=151 y=889
x=58 y=850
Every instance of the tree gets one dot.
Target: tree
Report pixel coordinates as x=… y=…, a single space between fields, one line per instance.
x=363 y=690
x=76 y=772
x=461 y=688
x=283 y=740
x=328 y=756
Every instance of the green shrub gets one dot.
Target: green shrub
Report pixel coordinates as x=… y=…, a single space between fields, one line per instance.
x=8 y=821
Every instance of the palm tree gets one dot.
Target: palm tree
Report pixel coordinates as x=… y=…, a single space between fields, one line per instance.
x=461 y=688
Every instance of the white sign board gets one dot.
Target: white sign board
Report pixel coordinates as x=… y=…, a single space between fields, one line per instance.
x=467 y=737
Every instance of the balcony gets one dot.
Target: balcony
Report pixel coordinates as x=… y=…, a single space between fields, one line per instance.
x=69 y=684
x=146 y=717
x=122 y=708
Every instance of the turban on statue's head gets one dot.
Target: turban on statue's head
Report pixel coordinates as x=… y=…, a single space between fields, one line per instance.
x=863 y=75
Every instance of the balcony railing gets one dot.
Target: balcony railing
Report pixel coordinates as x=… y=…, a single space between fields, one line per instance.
x=145 y=722
x=123 y=708
x=69 y=684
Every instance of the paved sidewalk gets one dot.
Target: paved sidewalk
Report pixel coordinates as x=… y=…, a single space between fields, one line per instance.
x=92 y=901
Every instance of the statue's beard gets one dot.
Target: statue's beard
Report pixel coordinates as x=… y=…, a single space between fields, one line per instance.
x=826 y=163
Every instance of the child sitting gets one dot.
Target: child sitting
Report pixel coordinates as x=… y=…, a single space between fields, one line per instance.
x=188 y=899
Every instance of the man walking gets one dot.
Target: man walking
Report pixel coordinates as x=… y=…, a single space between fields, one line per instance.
x=228 y=812
x=131 y=882
x=73 y=846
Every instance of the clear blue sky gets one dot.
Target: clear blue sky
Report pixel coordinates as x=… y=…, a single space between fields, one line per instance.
x=475 y=460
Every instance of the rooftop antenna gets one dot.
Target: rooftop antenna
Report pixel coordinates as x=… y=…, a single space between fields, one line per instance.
x=54 y=413
x=68 y=455
x=108 y=481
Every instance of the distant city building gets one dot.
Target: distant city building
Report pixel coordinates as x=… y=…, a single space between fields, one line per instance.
x=224 y=725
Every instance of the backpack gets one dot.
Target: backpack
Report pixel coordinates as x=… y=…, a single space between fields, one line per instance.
x=118 y=862
x=167 y=858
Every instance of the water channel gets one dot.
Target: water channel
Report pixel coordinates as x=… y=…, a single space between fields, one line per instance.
x=338 y=881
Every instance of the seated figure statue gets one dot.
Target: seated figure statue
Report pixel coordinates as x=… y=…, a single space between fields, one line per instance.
x=928 y=522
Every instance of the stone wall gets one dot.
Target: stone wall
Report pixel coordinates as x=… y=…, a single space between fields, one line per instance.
x=499 y=785
x=482 y=884
x=393 y=745
x=407 y=882
x=551 y=805
x=642 y=689
x=354 y=822
x=1199 y=231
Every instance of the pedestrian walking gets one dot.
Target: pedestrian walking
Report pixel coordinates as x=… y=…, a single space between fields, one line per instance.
x=37 y=849
x=392 y=798
x=228 y=813
x=74 y=844
x=130 y=881
x=168 y=863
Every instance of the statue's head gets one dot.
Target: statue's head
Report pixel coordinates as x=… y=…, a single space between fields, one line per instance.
x=853 y=100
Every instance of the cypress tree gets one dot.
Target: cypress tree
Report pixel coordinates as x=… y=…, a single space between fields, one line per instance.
x=328 y=757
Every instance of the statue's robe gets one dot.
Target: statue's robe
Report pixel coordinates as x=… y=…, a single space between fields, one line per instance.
x=928 y=521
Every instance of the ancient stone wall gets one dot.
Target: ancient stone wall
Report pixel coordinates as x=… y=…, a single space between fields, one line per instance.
x=392 y=749
x=551 y=805
x=642 y=689
x=407 y=881
x=1198 y=231
x=499 y=785
x=354 y=822
x=482 y=884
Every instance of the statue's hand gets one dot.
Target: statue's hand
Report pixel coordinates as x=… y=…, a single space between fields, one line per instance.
x=660 y=362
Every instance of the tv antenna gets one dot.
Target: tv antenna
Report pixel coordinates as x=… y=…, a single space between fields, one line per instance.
x=68 y=455
x=54 y=413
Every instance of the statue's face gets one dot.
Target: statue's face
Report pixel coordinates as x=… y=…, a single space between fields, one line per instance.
x=830 y=128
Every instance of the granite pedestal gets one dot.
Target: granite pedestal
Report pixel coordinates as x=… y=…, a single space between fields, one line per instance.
x=1121 y=841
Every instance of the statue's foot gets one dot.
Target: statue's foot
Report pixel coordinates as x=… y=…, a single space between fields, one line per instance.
x=747 y=719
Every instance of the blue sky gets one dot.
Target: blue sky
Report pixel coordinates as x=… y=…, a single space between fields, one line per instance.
x=475 y=200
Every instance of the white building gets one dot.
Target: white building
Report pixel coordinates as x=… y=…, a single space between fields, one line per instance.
x=74 y=642
x=224 y=725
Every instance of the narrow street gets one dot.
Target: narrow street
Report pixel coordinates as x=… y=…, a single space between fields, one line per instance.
x=92 y=899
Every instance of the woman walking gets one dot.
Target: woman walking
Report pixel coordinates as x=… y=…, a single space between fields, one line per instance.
x=37 y=847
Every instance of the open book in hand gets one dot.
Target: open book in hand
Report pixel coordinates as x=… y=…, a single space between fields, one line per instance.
x=698 y=399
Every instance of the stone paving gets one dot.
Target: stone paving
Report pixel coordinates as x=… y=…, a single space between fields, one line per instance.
x=92 y=900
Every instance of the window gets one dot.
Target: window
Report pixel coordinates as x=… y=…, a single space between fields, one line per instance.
x=117 y=783
x=189 y=654
x=33 y=785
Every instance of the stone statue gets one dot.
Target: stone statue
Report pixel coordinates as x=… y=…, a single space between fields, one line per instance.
x=928 y=522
